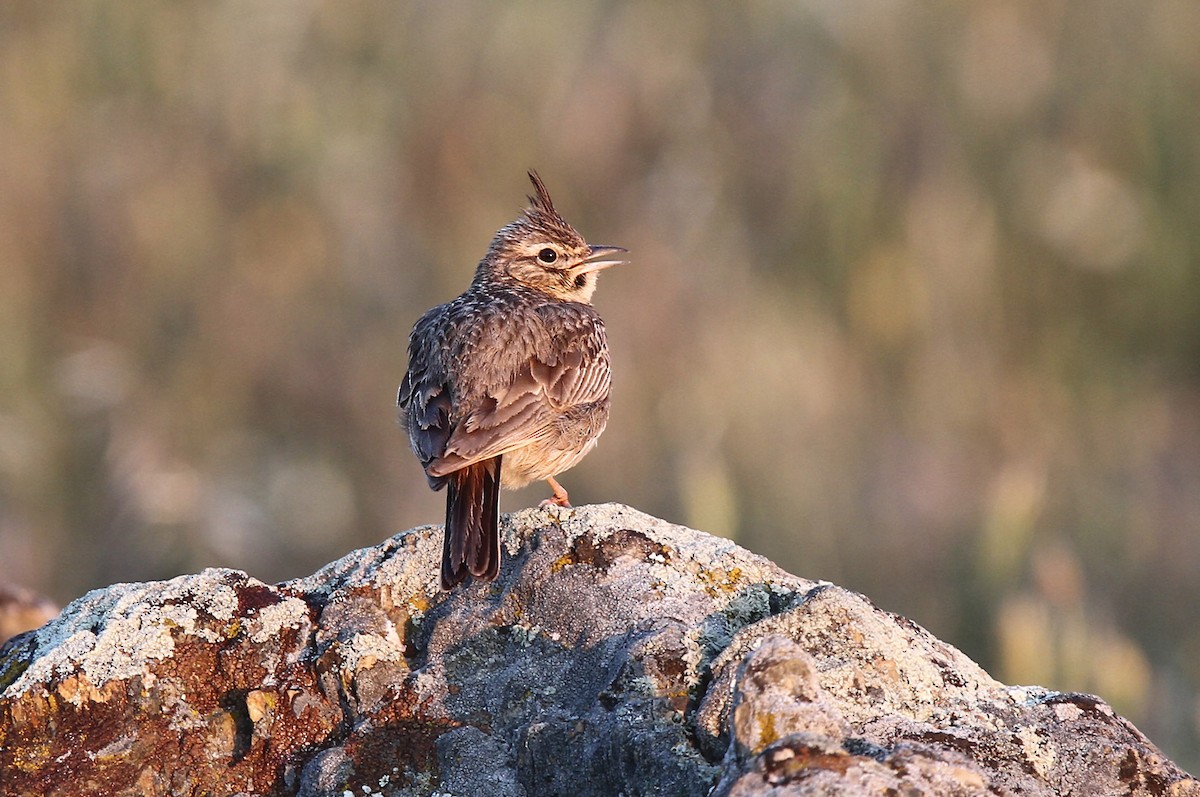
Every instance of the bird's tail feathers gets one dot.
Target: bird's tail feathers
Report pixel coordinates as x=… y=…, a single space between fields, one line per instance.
x=472 y=537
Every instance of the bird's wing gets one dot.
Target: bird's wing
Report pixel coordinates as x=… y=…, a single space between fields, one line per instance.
x=514 y=410
x=424 y=395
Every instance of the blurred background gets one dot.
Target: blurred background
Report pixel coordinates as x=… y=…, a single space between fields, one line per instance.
x=915 y=304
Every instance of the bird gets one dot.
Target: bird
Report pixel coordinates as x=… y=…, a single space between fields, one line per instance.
x=509 y=383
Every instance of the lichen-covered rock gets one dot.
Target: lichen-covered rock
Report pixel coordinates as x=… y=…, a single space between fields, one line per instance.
x=615 y=654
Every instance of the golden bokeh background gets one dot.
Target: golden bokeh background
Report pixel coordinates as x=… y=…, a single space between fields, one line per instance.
x=915 y=304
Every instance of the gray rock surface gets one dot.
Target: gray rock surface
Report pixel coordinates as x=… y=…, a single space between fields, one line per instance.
x=616 y=654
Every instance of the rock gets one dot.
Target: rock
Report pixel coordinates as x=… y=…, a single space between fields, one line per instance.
x=615 y=654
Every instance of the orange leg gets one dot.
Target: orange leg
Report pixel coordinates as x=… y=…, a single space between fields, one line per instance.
x=560 y=495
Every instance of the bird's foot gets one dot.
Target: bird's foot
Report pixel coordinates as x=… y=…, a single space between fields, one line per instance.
x=560 y=497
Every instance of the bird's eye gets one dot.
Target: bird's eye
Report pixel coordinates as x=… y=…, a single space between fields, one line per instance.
x=547 y=255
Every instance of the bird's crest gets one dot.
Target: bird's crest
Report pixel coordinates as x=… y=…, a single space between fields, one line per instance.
x=542 y=200
x=542 y=215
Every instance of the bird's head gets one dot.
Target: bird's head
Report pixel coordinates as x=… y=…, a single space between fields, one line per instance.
x=542 y=251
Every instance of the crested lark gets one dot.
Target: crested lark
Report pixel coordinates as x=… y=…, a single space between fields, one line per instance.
x=508 y=383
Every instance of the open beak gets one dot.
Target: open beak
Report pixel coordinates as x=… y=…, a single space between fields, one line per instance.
x=601 y=257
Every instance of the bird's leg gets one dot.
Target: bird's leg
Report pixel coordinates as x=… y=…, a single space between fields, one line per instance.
x=560 y=495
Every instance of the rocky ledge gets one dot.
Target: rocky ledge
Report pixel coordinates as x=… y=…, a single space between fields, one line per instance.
x=615 y=654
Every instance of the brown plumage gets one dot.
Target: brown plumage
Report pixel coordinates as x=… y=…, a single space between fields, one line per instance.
x=508 y=383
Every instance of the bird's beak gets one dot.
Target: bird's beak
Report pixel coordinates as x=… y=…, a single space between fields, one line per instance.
x=600 y=257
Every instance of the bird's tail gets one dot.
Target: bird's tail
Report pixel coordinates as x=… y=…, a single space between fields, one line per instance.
x=472 y=538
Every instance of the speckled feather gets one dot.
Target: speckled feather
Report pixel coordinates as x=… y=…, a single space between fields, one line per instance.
x=505 y=366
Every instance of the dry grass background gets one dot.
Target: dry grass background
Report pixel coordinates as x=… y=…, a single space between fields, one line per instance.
x=915 y=306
